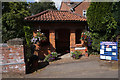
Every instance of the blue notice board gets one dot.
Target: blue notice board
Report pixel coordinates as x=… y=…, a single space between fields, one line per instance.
x=109 y=51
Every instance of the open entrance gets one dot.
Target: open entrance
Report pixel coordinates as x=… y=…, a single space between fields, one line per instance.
x=62 y=41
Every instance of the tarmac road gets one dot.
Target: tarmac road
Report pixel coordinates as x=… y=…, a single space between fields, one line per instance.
x=79 y=69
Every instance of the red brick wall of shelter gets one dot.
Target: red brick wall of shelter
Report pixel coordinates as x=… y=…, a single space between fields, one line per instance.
x=12 y=58
x=52 y=39
x=83 y=6
x=72 y=40
x=64 y=25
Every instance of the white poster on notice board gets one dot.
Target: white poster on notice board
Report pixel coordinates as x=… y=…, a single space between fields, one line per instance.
x=102 y=46
x=108 y=57
x=114 y=47
x=101 y=51
x=102 y=57
x=113 y=53
x=108 y=49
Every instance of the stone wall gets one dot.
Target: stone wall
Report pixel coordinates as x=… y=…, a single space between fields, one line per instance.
x=12 y=56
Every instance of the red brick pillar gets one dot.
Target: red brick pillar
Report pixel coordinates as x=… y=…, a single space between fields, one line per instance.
x=52 y=39
x=72 y=40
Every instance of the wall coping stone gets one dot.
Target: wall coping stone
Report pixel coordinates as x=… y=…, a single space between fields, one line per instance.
x=15 y=41
x=3 y=45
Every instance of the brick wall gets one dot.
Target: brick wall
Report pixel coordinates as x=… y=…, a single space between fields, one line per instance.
x=12 y=57
x=53 y=27
x=72 y=40
x=64 y=7
x=83 y=6
x=52 y=39
x=82 y=45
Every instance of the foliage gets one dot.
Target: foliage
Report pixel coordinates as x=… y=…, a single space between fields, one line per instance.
x=86 y=37
x=116 y=15
x=5 y=7
x=13 y=14
x=39 y=37
x=102 y=24
x=38 y=7
x=13 y=19
x=28 y=34
x=51 y=57
x=76 y=54
x=94 y=53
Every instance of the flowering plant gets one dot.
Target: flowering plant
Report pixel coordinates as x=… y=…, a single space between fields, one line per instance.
x=39 y=37
x=76 y=54
x=86 y=37
x=51 y=57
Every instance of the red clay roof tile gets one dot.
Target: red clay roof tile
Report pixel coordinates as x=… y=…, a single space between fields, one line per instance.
x=55 y=15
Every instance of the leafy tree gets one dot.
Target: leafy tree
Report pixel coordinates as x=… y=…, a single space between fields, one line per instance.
x=5 y=7
x=102 y=22
x=28 y=34
x=116 y=15
x=13 y=14
x=41 y=6
x=13 y=19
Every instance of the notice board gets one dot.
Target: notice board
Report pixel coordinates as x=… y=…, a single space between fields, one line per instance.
x=109 y=51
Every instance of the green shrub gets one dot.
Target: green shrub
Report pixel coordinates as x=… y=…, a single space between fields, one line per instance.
x=103 y=21
x=76 y=54
x=51 y=57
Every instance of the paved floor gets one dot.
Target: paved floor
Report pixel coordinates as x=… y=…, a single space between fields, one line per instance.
x=86 y=68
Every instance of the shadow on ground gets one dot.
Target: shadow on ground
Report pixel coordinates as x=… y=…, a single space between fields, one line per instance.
x=32 y=68
x=32 y=65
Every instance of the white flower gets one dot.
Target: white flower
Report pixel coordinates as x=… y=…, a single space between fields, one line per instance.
x=39 y=38
x=33 y=40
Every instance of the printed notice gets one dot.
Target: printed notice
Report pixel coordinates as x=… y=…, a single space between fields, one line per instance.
x=108 y=57
x=101 y=51
x=113 y=53
x=114 y=47
x=102 y=57
x=102 y=47
x=108 y=49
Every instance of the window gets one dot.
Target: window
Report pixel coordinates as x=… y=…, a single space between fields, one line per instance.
x=84 y=12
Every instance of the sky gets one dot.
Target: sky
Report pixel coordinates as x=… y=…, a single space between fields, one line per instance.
x=57 y=2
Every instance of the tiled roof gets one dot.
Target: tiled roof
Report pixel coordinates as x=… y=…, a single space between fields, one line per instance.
x=55 y=15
